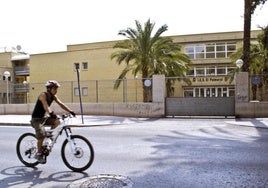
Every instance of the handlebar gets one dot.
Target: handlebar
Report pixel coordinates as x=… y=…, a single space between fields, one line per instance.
x=68 y=115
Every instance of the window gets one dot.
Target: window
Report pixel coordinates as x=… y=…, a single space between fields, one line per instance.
x=209 y=91
x=211 y=71
x=231 y=47
x=200 y=51
x=231 y=92
x=84 y=91
x=189 y=50
x=76 y=91
x=210 y=50
x=188 y=92
x=190 y=73
x=76 y=66
x=200 y=72
x=221 y=70
x=84 y=65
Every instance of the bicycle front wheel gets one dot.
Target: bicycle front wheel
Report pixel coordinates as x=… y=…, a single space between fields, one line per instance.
x=80 y=155
x=26 y=149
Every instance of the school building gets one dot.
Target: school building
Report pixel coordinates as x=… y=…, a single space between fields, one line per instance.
x=28 y=73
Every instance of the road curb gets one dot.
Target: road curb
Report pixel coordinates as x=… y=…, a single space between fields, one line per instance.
x=15 y=124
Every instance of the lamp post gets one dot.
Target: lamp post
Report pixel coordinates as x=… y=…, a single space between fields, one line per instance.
x=239 y=63
x=25 y=83
x=78 y=81
x=7 y=75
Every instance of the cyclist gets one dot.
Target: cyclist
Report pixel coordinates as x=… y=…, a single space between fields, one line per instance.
x=41 y=109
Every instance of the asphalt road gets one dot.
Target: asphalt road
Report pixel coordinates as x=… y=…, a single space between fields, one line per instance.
x=159 y=153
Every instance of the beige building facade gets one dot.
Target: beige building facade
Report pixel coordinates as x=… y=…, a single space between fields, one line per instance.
x=210 y=72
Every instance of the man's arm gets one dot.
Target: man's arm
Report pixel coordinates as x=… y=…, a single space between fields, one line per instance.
x=61 y=104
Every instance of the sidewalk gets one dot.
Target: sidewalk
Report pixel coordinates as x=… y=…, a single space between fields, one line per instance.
x=24 y=120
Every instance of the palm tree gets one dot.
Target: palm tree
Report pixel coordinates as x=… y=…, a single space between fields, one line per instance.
x=249 y=8
x=146 y=53
x=258 y=56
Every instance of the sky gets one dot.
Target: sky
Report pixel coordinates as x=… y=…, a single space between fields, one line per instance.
x=43 y=26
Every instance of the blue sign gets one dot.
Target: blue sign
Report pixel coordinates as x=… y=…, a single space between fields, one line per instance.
x=256 y=80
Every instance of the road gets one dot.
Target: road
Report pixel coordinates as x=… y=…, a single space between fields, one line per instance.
x=159 y=153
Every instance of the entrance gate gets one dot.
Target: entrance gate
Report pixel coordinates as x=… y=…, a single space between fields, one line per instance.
x=197 y=106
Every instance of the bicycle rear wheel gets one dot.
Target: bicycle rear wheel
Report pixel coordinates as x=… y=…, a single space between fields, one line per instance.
x=26 y=149
x=83 y=155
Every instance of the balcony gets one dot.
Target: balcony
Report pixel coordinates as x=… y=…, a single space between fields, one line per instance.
x=21 y=88
x=22 y=70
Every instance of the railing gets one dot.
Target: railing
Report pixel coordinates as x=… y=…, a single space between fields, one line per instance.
x=92 y=91
x=22 y=70
x=21 y=88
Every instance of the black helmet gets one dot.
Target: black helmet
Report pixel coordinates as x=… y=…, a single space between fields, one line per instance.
x=52 y=83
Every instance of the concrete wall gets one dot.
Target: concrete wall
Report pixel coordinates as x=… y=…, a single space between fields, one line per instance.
x=110 y=109
x=251 y=109
x=154 y=109
x=243 y=107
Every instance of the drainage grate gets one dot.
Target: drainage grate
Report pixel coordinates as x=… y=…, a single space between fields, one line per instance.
x=102 y=181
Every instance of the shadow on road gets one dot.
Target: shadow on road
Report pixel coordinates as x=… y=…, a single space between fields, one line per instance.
x=210 y=156
x=21 y=176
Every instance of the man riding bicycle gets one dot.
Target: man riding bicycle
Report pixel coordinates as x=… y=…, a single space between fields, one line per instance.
x=39 y=119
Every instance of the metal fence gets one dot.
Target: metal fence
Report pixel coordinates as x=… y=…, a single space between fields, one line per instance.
x=102 y=91
x=92 y=91
x=258 y=86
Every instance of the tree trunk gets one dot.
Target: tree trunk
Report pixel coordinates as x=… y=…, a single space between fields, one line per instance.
x=145 y=88
x=246 y=38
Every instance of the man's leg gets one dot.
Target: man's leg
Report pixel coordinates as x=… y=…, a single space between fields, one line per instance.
x=55 y=123
x=39 y=144
x=40 y=135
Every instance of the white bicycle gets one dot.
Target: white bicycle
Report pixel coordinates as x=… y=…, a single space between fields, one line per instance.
x=78 y=156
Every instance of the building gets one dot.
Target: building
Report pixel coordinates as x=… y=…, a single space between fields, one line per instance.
x=209 y=53
x=14 y=85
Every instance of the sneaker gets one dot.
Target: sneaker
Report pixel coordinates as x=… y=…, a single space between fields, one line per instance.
x=40 y=158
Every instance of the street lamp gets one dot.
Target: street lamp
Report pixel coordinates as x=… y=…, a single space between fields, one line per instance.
x=239 y=63
x=25 y=83
x=7 y=75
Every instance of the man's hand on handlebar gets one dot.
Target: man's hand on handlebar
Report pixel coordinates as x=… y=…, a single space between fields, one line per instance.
x=73 y=114
x=52 y=115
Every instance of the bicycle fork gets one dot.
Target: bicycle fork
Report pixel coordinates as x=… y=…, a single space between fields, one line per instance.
x=71 y=141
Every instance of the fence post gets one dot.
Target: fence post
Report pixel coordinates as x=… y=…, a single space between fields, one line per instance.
x=159 y=88
x=241 y=87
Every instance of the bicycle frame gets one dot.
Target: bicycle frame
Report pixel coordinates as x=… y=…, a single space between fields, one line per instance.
x=49 y=142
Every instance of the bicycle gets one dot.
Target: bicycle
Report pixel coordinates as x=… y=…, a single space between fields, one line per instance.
x=78 y=157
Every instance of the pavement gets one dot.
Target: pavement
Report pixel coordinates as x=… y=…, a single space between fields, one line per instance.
x=108 y=180
x=24 y=120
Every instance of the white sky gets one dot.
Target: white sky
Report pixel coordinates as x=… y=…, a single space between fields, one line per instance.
x=41 y=26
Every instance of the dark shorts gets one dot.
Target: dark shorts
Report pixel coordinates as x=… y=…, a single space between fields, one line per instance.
x=39 y=125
